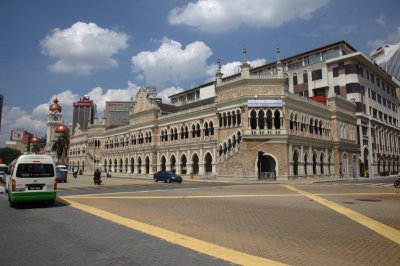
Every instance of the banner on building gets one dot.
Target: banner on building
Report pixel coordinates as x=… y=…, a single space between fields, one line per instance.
x=265 y=103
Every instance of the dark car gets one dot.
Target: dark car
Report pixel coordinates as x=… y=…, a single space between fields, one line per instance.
x=61 y=176
x=167 y=177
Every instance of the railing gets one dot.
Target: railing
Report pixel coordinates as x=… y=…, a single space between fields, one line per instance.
x=261 y=132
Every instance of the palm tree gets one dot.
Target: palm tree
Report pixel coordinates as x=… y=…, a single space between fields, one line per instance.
x=35 y=148
x=60 y=147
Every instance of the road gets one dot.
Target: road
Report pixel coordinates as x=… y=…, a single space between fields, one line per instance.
x=198 y=223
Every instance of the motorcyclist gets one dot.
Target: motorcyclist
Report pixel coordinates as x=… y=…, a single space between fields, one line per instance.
x=75 y=173
x=97 y=177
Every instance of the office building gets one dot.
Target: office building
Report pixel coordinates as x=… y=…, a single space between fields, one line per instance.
x=84 y=113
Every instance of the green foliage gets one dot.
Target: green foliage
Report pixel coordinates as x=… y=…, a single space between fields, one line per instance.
x=60 y=147
x=9 y=154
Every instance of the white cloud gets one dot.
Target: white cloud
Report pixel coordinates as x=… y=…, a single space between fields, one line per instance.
x=165 y=93
x=15 y=117
x=172 y=63
x=216 y=16
x=381 y=20
x=83 y=47
x=392 y=38
x=232 y=68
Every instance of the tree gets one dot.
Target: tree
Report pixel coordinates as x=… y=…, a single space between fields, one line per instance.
x=35 y=148
x=9 y=154
x=60 y=147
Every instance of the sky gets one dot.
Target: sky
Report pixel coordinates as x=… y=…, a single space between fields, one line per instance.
x=108 y=49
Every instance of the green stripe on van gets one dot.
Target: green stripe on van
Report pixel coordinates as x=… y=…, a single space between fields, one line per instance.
x=32 y=196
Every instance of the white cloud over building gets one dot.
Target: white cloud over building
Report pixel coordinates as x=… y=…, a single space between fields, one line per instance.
x=215 y=16
x=83 y=47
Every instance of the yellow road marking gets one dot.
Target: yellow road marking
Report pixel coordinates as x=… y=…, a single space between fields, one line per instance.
x=109 y=195
x=210 y=249
x=372 y=224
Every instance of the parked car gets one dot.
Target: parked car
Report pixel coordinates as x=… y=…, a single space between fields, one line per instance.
x=3 y=173
x=167 y=177
x=61 y=176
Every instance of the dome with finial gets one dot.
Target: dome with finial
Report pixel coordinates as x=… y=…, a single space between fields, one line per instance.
x=62 y=129
x=55 y=106
x=35 y=140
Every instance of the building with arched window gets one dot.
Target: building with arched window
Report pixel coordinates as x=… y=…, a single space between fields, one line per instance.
x=286 y=119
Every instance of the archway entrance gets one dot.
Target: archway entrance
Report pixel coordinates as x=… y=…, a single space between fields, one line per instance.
x=183 y=165
x=173 y=164
x=163 y=164
x=147 y=161
x=195 y=164
x=208 y=163
x=266 y=166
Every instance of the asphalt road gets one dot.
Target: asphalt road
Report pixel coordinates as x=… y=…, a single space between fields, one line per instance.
x=147 y=223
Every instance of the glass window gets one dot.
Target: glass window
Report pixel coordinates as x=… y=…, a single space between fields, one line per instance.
x=314 y=59
x=367 y=74
x=337 y=90
x=294 y=79
x=305 y=77
x=372 y=78
x=316 y=74
x=373 y=94
x=335 y=72
x=35 y=170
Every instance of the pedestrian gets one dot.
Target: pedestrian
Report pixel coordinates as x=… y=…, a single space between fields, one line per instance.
x=340 y=172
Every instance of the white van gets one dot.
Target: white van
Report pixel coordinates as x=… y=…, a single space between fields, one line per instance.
x=32 y=178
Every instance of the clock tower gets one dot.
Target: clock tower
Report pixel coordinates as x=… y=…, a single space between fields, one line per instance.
x=54 y=118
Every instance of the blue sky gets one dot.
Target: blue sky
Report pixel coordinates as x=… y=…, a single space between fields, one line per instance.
x=107 y=49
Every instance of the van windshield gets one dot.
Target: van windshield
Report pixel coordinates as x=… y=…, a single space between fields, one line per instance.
x=35 y=170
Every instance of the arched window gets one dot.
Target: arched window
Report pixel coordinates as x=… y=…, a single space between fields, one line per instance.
x=211 y=128
x=277 y=119
x=261 y=120
x=206 y=129
x=238 y=119
x=269 y=119
x=198 y=131
x=186 y=132
x=225 y=120
x=253 y=119
x=193 y=131
x=229 y=119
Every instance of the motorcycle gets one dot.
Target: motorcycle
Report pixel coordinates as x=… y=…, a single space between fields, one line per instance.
x=75 y=174
x=97 y=180
x=108 y=175
x=397 y=182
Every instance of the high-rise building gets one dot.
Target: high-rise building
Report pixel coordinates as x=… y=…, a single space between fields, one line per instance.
x=388 y=58
x=84 y=113
x=1 y=108
x=117 y=113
